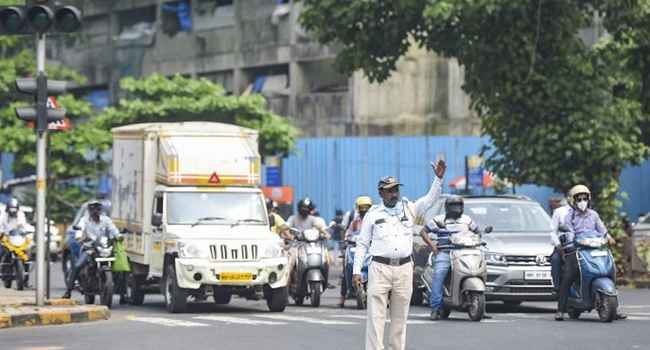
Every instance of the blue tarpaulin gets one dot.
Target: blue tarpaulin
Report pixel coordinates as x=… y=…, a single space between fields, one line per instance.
x=184 y=13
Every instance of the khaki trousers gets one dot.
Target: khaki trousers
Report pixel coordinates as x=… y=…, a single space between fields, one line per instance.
x=382 y=279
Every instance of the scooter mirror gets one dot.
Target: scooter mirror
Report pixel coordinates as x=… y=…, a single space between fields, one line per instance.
x=563 y=228
x=488 y=229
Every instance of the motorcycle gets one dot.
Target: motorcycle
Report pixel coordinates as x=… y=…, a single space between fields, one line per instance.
x=360 y=294
x=464 y=287
x=310 y=270
x=15 y=263
x=595 y=286
x=96 y=276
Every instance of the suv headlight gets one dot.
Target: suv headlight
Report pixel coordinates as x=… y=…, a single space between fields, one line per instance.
x=495 y=259
x=189 y=250
x=272 y=250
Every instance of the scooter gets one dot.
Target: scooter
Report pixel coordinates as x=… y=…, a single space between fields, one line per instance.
x=309 y=275
x=595 y=286
x=464 y=287
x=15 y=263
x=360 y=294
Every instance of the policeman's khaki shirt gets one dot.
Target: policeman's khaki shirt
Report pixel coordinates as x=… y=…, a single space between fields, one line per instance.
x=391 y=236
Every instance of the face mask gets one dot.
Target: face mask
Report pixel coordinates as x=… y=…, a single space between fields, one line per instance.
x=582 y=205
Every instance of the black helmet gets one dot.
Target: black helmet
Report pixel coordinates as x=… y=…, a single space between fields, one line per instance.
x=454 y=207
x=306 y=202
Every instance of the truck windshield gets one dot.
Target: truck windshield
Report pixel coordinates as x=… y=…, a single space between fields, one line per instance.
x=509 y=217
x=188 y=208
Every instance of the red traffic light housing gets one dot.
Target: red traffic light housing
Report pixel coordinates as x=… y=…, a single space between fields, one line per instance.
x=39 y=17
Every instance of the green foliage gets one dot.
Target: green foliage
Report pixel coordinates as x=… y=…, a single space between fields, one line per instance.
x=160 y=99
x=558 y=111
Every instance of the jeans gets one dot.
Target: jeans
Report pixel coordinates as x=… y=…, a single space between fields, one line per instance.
x=79 y=262
x=556 y=268
x=440 y=271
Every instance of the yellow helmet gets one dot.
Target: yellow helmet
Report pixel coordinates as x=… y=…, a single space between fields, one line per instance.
x=576 y=190
x=363 y=200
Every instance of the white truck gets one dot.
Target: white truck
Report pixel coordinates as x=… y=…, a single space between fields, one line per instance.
x=186 y=195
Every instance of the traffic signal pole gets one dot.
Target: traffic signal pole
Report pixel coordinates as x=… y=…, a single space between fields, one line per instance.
x=41 y=154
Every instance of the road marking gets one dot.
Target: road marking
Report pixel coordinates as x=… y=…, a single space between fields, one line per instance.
x=635 y=306
x=358 y=317
x=306 y=319
x=637 y=318
x=166 y=321
x=238 y=320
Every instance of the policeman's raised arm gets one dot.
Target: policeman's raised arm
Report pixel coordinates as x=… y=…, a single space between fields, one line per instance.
x=426 y=202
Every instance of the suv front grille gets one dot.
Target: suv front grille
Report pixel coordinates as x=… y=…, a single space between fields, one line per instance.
x=527 y=260
x=234 y=252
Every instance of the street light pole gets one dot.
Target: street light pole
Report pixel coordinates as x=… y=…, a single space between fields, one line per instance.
x=41 y=154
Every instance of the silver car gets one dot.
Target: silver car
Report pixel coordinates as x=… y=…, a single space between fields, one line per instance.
x=518 y=249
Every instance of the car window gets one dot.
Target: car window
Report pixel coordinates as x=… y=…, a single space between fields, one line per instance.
x=509 y=216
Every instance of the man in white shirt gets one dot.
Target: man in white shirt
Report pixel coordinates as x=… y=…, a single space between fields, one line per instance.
x=387 y=235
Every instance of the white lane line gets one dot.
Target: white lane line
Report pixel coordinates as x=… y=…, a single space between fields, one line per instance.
x=640 y=313
x=306 y=319
x=357 y=317
x=636 y=318
x=635 y=306
x=168 y=322
x=238 y=320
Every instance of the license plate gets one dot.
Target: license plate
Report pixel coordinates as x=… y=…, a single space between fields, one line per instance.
x=537 y=275
x=236 y=276
x=313 y=250
x=104 y=259
x=598 y=253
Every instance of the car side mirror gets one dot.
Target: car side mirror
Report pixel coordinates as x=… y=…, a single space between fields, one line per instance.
x=76 y=228
x=488 y=229
x=156 y=220
x=563 y=228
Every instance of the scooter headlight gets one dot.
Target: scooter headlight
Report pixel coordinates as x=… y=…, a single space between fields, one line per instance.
x=495 y=259
x=272 y=250
x=311 y=235
x=17 y=240
x=105 y=252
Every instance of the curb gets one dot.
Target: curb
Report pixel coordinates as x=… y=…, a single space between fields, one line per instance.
x=54 y=316
x=50 y=302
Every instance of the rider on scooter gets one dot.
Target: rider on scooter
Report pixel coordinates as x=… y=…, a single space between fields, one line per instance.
x=94 y=226
x=440 y=249
x=363 y=205
x=579 y=219
x=304 y=221
x=11 y=219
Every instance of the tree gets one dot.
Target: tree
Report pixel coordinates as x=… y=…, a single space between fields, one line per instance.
x=160 y=99
x=558 y=111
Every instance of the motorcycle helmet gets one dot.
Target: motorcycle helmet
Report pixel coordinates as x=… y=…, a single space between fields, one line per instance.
x=454 y=207
x=578 y=190
x=12 y=207
x=363 y=201
x=306 y=202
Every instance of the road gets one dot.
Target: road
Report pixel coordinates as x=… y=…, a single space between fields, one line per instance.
x=248 y=325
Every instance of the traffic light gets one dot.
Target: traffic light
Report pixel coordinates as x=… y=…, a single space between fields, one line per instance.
x=41 y=88
x=43 y=16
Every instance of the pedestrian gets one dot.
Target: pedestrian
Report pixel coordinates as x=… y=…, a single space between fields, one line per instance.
x=556 y=258
x=387 y=235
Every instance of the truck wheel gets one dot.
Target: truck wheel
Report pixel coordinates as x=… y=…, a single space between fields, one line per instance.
x=221 y=295
x=106 y=296
x=607 y=308
x=175 y=296
x=278 y=299
x=315 y=293
x=476 y=306
x=20 y=275
x=134 y=290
